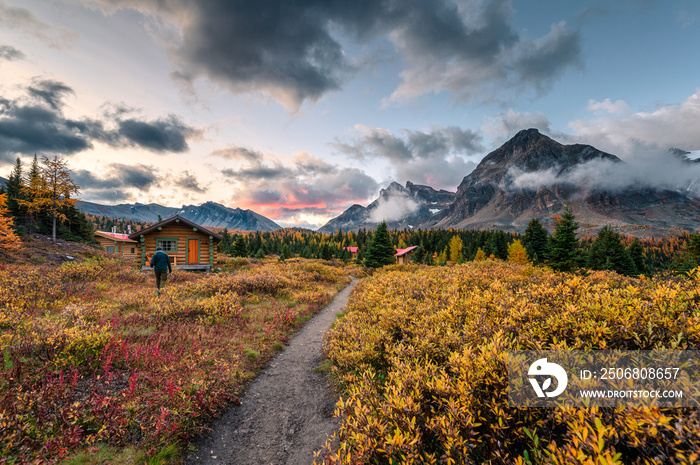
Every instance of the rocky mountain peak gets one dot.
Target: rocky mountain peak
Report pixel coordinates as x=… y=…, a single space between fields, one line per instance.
x=530 y=151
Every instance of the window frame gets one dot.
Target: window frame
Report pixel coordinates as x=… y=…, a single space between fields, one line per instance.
x=159 y=241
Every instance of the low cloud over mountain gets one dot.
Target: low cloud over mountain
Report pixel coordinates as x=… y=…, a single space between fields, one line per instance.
x=533 y=176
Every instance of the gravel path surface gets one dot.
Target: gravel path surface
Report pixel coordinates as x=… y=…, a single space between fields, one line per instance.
x=286 y=414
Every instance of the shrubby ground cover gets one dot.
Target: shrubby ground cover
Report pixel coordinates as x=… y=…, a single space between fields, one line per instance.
x=95 y=365
x=421 y=359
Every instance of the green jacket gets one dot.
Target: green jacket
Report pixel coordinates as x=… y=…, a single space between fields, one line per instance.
x=161 y=262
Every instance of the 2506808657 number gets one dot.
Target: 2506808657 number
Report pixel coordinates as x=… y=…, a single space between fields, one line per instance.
x=639 y=373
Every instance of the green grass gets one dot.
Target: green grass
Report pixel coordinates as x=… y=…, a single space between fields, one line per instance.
x=251 y=353
x=324 y=367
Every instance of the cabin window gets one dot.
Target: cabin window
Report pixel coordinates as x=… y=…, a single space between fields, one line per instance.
x=110 y=249
x=169 y=245
x=133 y=250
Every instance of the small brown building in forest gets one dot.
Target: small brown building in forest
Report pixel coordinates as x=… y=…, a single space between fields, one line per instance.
x=354 y=251
x=189 y=245
x=119 y=244
x=403 y=256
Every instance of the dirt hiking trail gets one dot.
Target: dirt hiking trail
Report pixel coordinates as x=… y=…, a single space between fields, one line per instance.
x=286 y=413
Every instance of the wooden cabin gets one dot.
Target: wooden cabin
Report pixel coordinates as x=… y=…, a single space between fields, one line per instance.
x=189 y=245
x=403 y=256
x=354 y=251
x=119 y=244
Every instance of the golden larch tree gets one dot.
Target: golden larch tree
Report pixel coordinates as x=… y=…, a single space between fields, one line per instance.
x=8 y=239
x=480 y=255
x=51 y=191
x=455 y=249
x=517 y=253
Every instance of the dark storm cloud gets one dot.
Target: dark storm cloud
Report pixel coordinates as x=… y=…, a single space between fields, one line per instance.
x=119 y=176
x=49 y=91
x=293 y=50
x=161 y=135
x=540 y=60
x=189 y=182
x=9 y=53
x=35 y=122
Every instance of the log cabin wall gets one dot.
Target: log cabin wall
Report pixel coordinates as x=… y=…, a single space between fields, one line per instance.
x=181 y=234
x=121 y=248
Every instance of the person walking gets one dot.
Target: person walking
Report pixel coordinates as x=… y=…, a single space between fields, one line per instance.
x=161 y=266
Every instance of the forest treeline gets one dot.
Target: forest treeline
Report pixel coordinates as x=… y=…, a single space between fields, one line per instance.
x=564 y=250
x=42 y=198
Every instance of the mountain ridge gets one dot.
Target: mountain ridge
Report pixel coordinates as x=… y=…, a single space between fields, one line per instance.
x=400 y=206
x=533 y=176
x=206 y=214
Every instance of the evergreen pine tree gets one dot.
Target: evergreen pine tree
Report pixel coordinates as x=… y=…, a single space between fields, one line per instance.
x=260 y=253
x=536 y=241
x=636 y=252
x=239 y=248
x=285 y=253
x=360 y=260
x=419 y=254
x=498 y=245
x=564 y=252
x=13 y=189
x=608 y=253
x=326 y=252
x=690 y=257
x=380 y=251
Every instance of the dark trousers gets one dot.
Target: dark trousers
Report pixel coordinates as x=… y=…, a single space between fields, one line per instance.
x=161 y=277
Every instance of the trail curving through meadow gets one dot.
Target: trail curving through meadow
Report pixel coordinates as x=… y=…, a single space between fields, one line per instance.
x=286 y=414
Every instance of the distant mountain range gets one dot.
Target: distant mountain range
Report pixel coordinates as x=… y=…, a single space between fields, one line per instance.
x=3 y=181
x=401 y=207
x=207 y=214
x=533 y=176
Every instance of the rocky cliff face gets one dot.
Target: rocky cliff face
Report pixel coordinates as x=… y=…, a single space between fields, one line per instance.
x=207 y=214
x=401 y=207
x=533 y=176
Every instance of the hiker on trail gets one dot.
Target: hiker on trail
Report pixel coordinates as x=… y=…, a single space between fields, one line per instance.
x=161 y=266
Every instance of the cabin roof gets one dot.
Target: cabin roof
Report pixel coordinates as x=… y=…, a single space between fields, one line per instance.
x=114 y=236
x=402 y=252
x=172 y=219
x=351 y=249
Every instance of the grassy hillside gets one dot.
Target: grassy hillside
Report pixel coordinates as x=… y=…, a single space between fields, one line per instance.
x=96 y=368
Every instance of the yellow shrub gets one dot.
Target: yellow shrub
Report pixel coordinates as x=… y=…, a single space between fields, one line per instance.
x=421 y=357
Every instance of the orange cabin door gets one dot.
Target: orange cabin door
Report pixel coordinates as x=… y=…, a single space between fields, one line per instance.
x=192 y=251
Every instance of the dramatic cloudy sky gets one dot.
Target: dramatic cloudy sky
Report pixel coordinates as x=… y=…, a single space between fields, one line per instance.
x=299 y=109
